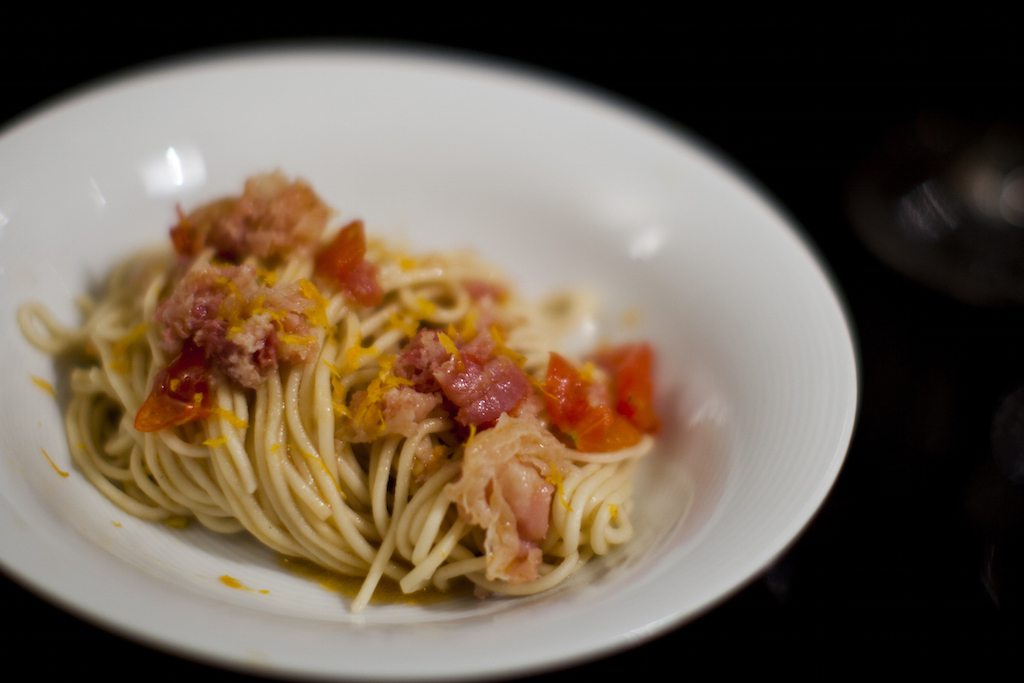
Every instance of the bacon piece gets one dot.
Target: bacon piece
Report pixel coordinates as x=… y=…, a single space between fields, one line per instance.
x=273 y=217
x=480 y=350
x=529 y=496
x=483 y=392
x=244 y=327
x=503 y=489
x=250 y=355
x=399 y=410
x=191 y=310
x=404 y=408
x=420 y=359
x=480 y=384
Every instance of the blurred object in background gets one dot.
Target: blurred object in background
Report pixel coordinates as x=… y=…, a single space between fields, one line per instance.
x=1008 y=437
x=942 y=202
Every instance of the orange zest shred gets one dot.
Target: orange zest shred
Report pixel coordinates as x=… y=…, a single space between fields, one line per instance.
x=450 y=347
x=232 y=288
x=296 y=339
x=425 y=308
x=368 y=413
x=233 y=420
x=408 y=325
x=317 y=316
x=467 y=330
x=587 y=371
x=44 y=385
x=502 y=350
x=338 y=390
x=232 y=582
x=323 y=466
x=556 y=479
x=53 y=464
x=354 y=356
x=269 y=277
x=541 y=387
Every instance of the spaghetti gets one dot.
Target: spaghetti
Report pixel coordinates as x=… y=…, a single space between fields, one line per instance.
x=373 y=412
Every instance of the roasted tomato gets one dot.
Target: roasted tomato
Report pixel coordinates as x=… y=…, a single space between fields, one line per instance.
x=361 y=284
x=631 y=366
x=344 y=252
x=582 y=409
x=342 y=261
x=181 y=393
x=190 y=234
x=566 y=392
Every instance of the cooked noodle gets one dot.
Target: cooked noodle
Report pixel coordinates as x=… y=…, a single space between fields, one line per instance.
x=289 y=460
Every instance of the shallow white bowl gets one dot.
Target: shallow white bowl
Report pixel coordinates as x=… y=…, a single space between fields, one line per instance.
x=757 y=373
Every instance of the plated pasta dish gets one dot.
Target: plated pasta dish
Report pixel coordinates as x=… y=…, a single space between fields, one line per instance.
x=376 y=412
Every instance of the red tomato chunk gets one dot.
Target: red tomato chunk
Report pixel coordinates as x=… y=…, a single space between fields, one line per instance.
x=181 y=393
x=631 y=365
x=582 y=409
x=343 y=261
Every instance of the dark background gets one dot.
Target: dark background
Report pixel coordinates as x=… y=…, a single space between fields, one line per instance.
x=916 y=559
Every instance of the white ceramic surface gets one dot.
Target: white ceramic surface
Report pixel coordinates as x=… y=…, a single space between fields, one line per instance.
x=758 y=382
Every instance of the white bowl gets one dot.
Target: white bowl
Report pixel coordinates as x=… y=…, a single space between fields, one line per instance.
x=757 y=374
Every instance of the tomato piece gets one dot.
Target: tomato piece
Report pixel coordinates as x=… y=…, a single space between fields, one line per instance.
x=183 y=235
x=361 y=284
x=343 y=261
x=190 y=234
x=576 y=408
x=181 y=393
x=632 y=366
x=344 y=252
x=566 y=393
x=616 y=433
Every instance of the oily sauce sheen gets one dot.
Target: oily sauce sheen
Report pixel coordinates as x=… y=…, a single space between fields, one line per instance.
x=387 y=592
